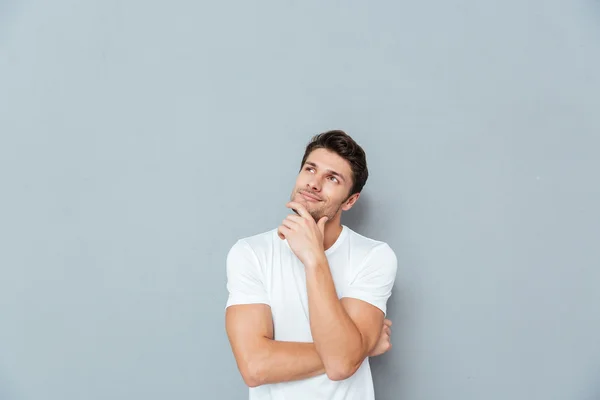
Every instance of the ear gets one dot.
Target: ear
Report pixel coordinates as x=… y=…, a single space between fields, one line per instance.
x=350 y=202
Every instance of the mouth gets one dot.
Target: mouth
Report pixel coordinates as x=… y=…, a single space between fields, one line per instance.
x=309 y=197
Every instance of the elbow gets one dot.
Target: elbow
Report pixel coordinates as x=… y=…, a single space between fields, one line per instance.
x=338 y=375
x=253 y=365
x=341 y=371
x=250 y=380
x=339 y=368
x=251 y=374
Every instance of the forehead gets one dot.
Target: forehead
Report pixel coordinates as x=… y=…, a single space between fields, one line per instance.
x=325 y=159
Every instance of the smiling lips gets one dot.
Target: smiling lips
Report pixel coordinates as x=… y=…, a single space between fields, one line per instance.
x=309 y=196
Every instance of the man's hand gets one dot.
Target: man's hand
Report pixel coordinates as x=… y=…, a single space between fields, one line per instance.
x=384 y=343
x=304 y=236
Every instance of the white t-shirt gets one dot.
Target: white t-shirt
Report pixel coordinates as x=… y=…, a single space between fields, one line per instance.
x=263 y=269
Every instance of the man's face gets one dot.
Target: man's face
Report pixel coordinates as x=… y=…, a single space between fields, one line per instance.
x=323 y=185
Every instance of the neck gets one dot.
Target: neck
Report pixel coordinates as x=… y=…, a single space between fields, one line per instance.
x=333 y=230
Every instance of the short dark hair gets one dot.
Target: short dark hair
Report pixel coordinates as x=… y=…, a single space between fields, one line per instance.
x=343 y=145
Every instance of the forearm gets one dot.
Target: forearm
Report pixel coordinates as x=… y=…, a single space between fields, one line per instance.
x=280 y=361
x=337 y=339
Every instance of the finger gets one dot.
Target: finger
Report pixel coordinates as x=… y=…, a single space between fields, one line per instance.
x=387 y=322
x=280 y=232
x=283 y=231
x=321 y=224
x=298 y=208
x=387 y=330
x=290 y=223
x=293 y=218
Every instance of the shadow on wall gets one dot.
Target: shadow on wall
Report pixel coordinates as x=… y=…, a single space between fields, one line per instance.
x=358 y=216
x=388 y=369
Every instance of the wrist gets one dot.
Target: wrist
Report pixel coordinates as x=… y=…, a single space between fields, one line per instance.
x=316 y=262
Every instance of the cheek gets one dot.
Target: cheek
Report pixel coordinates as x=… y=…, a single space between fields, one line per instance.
x=341 y=195
x=333 y=196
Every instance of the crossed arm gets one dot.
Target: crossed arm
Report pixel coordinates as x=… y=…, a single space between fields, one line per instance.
x=261 y=359
x=344 y=331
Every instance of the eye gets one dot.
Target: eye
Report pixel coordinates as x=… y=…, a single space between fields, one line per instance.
x=310 y=169
x=334 y=179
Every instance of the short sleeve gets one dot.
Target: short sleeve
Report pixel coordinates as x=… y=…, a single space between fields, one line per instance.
x=375 y=278
x=244 y=279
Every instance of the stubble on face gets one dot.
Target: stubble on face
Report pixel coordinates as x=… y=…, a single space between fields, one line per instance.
x=316 y=210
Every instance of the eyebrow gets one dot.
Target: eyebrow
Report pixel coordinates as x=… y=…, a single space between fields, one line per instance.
x=332 y=172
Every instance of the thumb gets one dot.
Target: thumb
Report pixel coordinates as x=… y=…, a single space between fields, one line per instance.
x=321 y=224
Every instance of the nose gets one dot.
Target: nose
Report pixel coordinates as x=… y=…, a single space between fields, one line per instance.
x=314 y=184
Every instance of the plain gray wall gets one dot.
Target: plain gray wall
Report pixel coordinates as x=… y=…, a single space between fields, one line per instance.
x=140 y=139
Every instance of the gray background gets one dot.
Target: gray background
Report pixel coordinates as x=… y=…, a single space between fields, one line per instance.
x=140 y=139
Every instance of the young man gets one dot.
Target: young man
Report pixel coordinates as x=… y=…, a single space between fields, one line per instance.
x=307 y=301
